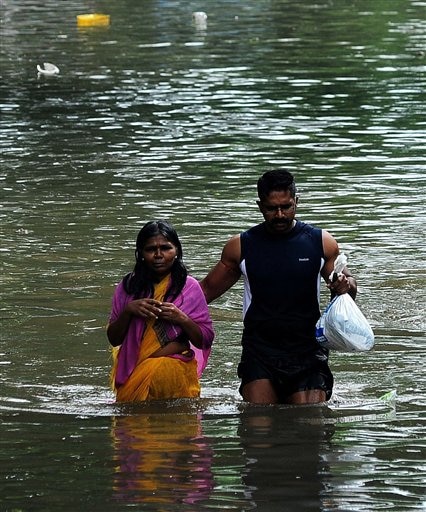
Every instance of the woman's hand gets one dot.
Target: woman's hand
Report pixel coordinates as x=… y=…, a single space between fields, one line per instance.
x=145 y=308
x=171 y=313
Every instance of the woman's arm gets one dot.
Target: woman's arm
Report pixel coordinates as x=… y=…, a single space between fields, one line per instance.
x=195 y=324
x=145 y=308
x=171 y=313
x=116 y=331
x=189 y=313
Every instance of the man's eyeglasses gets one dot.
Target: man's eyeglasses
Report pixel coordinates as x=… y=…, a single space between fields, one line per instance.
x=283 y=208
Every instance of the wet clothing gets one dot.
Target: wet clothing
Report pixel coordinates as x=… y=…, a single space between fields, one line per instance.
x=289 y=374
x=160 y=378
x=281 y=307
x=136 y=376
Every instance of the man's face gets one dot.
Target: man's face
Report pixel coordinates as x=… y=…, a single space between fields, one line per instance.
x=279 y=211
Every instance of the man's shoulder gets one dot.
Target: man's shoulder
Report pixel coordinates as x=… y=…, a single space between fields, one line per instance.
x=254 y=230
x=307 y=227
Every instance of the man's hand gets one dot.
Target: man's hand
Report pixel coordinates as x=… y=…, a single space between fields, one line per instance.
x=343 y=284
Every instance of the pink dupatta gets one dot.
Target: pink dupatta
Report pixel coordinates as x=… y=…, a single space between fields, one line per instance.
x=191 y=301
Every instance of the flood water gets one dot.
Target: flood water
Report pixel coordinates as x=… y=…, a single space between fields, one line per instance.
x=158 y=117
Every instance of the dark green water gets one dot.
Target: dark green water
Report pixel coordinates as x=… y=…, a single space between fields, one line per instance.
x=156 y=117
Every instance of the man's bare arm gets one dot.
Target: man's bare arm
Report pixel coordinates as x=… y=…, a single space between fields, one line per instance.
x=225 y=273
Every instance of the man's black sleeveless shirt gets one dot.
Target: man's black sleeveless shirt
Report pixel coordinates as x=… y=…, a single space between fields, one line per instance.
x=282 y=282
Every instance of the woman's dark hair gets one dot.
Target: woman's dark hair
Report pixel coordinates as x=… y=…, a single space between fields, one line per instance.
x=276 y=180
x=140 y=282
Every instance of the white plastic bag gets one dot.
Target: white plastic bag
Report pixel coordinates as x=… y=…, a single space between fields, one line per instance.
x=339 y=265
x=342 y=326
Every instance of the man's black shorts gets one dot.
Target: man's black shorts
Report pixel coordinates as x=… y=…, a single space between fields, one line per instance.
x=288 y=374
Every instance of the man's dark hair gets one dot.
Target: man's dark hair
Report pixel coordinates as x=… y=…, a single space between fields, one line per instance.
x=275 y=180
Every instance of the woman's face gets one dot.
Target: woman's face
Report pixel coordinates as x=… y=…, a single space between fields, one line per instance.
x=159 y=255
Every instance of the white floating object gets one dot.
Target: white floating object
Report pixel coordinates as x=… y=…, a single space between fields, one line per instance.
x=200 y=19
x=49 y=69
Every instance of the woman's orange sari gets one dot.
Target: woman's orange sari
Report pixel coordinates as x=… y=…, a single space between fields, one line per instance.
x=156 y=378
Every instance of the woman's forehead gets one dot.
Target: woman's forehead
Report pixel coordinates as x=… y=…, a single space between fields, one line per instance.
x=157 y=240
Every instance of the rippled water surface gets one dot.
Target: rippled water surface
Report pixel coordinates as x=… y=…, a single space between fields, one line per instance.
x=156 y=116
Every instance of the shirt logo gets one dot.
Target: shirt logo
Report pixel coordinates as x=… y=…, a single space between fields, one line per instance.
x=303 y=259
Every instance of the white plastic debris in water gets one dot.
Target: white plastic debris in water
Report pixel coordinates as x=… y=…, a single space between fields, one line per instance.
x=200 y=19
x=48 y=69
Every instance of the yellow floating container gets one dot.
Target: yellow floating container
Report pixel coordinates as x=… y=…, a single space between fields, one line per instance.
x=93 y=20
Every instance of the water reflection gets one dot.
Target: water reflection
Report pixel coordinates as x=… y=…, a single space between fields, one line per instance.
x=161 y=459
x=259 y=458
x=284 y=449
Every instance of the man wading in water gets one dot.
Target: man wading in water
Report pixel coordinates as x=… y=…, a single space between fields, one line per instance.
x=282 y=261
